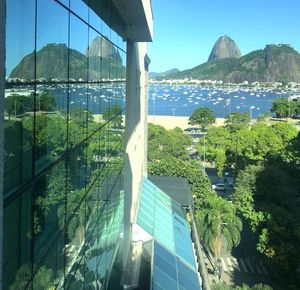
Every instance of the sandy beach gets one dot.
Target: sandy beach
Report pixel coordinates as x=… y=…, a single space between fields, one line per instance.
x=170 y=122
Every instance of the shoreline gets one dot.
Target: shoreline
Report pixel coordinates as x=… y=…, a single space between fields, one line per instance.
x=171 y=122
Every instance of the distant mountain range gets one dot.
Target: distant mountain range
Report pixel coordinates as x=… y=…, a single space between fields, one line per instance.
x=153 y=75
x=274 y=63
x=102 y=60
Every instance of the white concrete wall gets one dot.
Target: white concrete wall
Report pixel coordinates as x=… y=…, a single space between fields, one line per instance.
x=2 y=89
x=135 y=137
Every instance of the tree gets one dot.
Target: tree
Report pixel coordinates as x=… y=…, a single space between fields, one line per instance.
x=217 y=142
x=164 y=143
x=202 y=117
x=113 y=114
x=45 y=102
x=259 y=286
x=217 y=220
x=284 y=108
x=199 y=183
x=17 y=105
x=237 y=121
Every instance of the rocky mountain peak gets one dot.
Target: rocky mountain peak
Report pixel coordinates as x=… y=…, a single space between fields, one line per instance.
x=102 y=47
x=223 y=48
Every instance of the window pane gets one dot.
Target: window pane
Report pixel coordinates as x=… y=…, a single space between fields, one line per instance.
x=49 y=210
x=18 y=134
x=52 y=41
x=20 y=41
x=80 y=8
x=78 y=50
x=50 y=124
x=17 y=243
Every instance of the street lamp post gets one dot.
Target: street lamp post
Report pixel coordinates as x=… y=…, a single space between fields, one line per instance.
x=173 y=110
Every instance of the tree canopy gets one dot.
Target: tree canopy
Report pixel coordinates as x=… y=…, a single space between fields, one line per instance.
x=164 y=143
x=284 y=108
x=202 y=117
x=113 y=113
x=216 y=220
x=237 y=121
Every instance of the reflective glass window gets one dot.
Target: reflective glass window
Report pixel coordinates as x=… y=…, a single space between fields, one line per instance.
x=52 y=42
x=20 y=40
x=18 y=235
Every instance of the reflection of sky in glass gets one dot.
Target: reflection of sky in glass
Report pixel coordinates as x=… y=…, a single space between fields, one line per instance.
x=52 y=27
x=20 y=31
x=52 y=23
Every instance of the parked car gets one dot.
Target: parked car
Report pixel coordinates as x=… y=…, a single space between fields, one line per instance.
x=219 y=186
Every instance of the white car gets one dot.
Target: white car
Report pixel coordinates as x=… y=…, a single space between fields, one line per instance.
x=219 y=186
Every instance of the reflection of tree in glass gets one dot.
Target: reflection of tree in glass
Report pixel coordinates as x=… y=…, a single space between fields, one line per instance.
x=43 y=280
x=113 y=112
x=16 y=105
x=103 y=145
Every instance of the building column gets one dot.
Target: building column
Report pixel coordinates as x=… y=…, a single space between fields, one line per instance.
x=135 y=132
x=2 y=96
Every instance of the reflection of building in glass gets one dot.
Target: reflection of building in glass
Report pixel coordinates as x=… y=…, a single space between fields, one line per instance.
x=75 y=147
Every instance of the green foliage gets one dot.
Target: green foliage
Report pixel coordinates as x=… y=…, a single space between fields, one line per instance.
x=259 y=286
x=202 y=117
x=45 y=102
x=217 y=219
x=254 y=66
x=18 y=105
x=42 y=280
x=217 y=142
x=164 y=143
x=199 y=183
x=284 y=108
x=113 y=113
x=81 y=116
x=237 y=121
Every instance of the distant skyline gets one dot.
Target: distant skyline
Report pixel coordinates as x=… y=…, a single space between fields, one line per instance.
x=185 y=31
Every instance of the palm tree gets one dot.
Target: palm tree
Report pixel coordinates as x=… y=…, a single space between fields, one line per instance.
x=216 y=221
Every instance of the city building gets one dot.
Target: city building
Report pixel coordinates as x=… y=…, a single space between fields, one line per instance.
x=75 y=192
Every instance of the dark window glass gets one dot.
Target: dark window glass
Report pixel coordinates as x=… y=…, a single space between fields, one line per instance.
x=79 y=114
x=51 y=272
x=49 y=210
x=18 y=134
x=18 y=235
x=52 y=42
x=50 y=123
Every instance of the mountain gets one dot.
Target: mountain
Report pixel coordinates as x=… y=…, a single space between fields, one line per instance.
x=153 y=75
x=101 y=47
x=223 y=48
x=52 y=63
x=274 y=63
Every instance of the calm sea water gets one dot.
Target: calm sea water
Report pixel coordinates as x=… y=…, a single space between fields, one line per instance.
x=175 y=100
x=183 y=100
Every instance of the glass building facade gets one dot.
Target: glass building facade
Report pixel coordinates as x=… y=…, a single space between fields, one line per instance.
x=64 y=145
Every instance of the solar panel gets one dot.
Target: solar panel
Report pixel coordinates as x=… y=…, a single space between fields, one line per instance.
x=170 y=272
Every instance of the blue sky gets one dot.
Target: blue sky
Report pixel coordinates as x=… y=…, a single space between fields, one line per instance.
x=186 y=30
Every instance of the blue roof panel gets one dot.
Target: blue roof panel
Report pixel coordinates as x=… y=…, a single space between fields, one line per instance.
x=170 y=272
x=164 y=219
